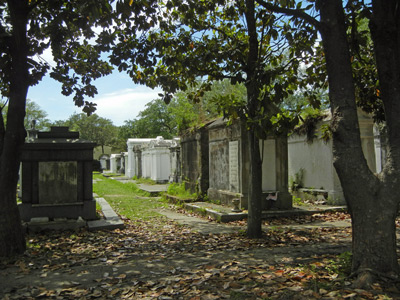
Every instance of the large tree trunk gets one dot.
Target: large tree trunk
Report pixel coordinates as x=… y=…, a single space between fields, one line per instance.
x=11 y=235
x=371 y=199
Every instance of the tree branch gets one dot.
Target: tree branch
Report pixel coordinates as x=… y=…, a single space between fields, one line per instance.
x=291 y=12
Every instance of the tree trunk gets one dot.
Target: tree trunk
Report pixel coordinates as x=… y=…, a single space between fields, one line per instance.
x=374 y=239
x=371 y=199
x=254 y=229
x=11 y=235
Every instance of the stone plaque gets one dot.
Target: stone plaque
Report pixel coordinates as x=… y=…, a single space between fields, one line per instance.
x=234 y=166
x=58 y=182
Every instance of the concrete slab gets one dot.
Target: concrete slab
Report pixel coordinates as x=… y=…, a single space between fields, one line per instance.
x=105 y=224
x=302 y=211
x=107 y=210
x=154 y=189
x=199 y=225
x=216 y=212
x=224 y=214
x=111 y=220
x=204 y=226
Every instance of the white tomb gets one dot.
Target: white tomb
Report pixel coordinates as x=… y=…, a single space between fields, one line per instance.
x=133 y=159
x=115 y=162
x=153 y=158
x=311 y=163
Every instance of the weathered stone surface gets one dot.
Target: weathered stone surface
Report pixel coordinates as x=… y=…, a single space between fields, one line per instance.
x=57 y=182
x=195 y=160
x=227 y=165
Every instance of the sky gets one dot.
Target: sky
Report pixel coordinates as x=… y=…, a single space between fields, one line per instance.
x=118 y=98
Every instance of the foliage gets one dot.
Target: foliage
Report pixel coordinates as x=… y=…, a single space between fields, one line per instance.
x=213 y=44
x=66 y=29
x=342 y=265
x=76 y=33
x=189 y=113
x=168 y=120
x=153 y=121
x=92 y=128
x=365 y=74
x=297 y=201
x=33 y=112
x=308 y=124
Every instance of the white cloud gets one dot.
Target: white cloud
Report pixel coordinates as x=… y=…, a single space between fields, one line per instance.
x=124 y=104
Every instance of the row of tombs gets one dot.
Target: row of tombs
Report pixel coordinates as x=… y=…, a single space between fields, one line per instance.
x=56 y=169
x=213 y=161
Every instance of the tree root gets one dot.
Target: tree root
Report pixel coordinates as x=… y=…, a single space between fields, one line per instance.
x=366 y=277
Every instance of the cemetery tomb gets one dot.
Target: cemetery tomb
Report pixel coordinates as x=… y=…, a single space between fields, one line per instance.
x=156 y=159
x=215 y=160
x=115 y=163
x=311 y=171
x=56 y=176
x=134 y=156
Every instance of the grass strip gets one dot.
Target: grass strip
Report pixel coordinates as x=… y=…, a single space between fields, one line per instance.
x=127 y=199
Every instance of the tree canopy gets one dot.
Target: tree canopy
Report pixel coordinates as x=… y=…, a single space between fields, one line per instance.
x=33 y=112
x=169 y=120
x=93 y=128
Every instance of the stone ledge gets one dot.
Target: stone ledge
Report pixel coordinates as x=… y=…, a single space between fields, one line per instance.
x=154 y=190
x=224 y=214
x=43 y=223
x=111 y=220
x=104 y=224
x=220 y=216
x=176 y=200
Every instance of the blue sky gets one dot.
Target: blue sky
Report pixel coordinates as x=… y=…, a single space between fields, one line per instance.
x=118 y=98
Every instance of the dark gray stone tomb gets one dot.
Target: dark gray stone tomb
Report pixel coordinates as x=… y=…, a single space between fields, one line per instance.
x=57 y=176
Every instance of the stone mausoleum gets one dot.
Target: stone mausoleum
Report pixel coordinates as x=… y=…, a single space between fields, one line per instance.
x=56 y=176
x=154 y=158
x=215 y=161
x=311 y=171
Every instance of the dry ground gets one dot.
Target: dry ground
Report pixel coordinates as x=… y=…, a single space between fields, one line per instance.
x=160 y=259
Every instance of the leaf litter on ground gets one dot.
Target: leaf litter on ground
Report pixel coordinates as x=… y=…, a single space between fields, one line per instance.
x=159 y=259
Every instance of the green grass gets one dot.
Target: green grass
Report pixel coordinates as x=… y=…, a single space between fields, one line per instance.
x=178 y=189
x=145 y=181
x=127 y=199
